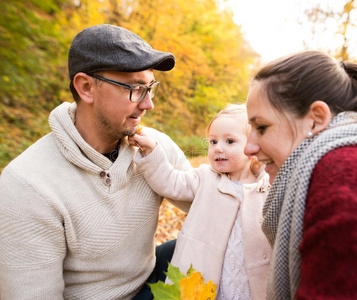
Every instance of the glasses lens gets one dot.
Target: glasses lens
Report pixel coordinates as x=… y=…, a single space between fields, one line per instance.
x=153 y=90
x=138 y=92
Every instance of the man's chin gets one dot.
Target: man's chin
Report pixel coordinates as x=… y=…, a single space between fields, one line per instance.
x=130 y=132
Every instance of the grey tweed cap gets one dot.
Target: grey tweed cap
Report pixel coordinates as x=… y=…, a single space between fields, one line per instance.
x=108 y=47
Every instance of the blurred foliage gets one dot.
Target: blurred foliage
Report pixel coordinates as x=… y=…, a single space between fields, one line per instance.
x=214 y=63
x=346 y=23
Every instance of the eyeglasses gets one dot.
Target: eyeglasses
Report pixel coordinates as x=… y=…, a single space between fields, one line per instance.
x=137 y=91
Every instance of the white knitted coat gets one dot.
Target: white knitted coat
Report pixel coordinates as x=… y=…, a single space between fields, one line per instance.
x=74 y=225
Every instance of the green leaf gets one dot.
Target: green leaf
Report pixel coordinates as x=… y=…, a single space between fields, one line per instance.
x=164 y=291
x=174 y=274
x=190 y=271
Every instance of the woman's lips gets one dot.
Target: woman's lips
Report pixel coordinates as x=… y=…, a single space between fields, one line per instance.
x=269 y=164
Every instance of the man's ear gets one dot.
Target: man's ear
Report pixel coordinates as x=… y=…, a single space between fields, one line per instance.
x=84 y=84
x=320 y=114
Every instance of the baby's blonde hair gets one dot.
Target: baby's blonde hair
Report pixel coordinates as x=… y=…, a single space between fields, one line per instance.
x=238 y=111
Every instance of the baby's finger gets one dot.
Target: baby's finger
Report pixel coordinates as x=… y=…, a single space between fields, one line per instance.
x=131 y=140
x=144 y=140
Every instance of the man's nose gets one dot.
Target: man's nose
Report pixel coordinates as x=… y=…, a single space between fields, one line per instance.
x=146 y=103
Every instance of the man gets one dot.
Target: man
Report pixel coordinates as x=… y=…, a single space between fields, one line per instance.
x=77 y=221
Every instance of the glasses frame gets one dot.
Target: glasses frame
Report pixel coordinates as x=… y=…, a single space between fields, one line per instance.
x=131 y=87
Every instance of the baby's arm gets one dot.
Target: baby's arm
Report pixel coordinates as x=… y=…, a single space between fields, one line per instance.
x=164 y=179
x=160 y=174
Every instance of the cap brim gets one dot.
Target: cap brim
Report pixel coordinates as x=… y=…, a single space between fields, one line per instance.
x=166 y=64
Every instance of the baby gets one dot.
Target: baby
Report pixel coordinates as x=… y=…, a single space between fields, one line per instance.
x=221 y=236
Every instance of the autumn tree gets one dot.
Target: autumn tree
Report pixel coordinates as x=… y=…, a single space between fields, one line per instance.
x=213 y=66
x=346 y=25
x=32 y=52
x=213 y=62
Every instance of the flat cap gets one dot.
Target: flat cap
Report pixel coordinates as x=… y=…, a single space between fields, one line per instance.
x=108 y=47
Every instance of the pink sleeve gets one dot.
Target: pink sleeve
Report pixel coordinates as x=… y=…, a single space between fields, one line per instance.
x=329 y=245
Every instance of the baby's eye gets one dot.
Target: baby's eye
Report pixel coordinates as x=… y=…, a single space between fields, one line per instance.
x=230 y=141
x=213 y=142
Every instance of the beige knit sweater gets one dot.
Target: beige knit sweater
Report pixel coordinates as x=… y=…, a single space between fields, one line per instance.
x=74 y=225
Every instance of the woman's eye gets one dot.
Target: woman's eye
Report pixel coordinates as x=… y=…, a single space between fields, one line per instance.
x=262 y=129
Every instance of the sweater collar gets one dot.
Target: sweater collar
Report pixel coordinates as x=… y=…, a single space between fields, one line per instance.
x=75 y=148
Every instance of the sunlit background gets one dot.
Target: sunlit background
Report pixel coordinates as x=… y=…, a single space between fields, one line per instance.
x=218 y=45
x=278 y=27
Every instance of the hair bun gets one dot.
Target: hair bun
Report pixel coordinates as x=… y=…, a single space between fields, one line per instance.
x=350 y=68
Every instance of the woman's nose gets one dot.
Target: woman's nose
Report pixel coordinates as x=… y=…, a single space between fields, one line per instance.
x=251 y=148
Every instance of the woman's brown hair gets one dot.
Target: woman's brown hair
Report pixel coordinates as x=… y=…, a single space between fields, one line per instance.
x=292 y=83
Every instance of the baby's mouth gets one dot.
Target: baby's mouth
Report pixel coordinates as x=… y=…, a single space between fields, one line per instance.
x=221 y=159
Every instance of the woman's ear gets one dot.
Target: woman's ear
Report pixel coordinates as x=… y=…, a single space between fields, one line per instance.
x=83 y=83
x=320 y=114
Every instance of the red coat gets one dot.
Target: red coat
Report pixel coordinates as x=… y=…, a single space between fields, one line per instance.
x=329 y=245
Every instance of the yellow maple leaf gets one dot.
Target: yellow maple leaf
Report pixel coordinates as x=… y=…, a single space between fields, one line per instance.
x=194 y=287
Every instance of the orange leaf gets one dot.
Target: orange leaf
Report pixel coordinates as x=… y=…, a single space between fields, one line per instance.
x=194 y=287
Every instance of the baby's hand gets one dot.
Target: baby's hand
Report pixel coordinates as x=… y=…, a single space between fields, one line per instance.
x=145 y=143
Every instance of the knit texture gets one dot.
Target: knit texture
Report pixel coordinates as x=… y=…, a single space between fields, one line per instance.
x=284 y=208
x=73 y=224
x=234 y=284
x=329 y=245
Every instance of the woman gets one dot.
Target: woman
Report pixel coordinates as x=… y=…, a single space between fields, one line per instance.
x=303 y=112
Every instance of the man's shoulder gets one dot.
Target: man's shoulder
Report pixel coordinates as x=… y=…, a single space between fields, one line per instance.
x=35 y=157
x=172 y=151
x=163 y=139
x=158 y=135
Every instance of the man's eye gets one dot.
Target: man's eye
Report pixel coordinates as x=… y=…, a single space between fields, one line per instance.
x=138 y=90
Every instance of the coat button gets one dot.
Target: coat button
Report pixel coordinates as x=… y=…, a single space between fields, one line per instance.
x=102 y=174
x=108 y=181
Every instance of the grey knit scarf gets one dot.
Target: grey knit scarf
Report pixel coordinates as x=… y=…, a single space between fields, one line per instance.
x=285 y=205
